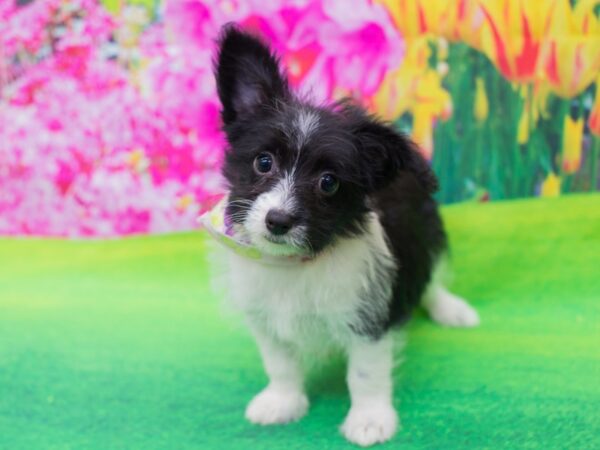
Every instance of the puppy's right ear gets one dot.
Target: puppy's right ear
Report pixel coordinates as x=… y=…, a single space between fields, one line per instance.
x=248 y=75
x=388 y=153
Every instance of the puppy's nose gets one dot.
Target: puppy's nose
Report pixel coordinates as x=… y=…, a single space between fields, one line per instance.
x=279 y=222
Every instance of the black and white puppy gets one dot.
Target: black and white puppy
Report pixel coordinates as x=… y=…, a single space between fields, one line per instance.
x=351 y=195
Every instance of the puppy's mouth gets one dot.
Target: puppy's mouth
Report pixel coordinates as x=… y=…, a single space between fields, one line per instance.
x=278 y=245
x=275 y=239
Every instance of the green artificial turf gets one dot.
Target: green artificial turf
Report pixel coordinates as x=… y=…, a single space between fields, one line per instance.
x=120 y=345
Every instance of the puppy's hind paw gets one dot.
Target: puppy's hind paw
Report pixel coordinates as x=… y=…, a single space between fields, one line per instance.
x=372 y=425
x=272 y=406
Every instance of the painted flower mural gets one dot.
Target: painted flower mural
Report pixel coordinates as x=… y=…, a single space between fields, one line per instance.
x=109 y=118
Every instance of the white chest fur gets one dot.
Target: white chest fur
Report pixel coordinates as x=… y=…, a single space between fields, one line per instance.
x=321 y=301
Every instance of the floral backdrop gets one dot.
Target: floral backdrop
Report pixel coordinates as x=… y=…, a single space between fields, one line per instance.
x=109 y=117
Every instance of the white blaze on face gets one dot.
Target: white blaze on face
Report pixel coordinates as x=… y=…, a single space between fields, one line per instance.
x=306 y=123
x=280 y=197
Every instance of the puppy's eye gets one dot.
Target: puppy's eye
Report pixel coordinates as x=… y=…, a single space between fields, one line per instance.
x=263 y=163
x=328 y=184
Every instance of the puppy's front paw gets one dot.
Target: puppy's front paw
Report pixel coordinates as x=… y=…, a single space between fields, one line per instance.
x=273 y=406
x=370 y=425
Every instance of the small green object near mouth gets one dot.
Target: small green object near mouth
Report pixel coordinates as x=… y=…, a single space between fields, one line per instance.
x=214 y=222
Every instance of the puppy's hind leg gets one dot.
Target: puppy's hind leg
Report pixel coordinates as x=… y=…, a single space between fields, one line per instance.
x=442 y=305
x=448 y=309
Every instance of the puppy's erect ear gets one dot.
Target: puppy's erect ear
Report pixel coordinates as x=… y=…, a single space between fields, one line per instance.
x=247 y=73
x=387 y=152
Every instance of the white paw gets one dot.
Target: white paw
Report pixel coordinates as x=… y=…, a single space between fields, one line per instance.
x=453 y=311
x=370 y=425
x=273 y=406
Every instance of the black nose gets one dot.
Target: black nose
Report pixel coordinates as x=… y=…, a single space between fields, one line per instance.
x=279 y=222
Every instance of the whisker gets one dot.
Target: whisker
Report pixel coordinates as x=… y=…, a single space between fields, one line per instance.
x=241 y=202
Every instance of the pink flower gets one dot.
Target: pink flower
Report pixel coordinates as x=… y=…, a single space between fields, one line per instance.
x=325 y=45
x=98 y=138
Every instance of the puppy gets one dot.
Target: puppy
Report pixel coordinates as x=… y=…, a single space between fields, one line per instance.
x=348 y=200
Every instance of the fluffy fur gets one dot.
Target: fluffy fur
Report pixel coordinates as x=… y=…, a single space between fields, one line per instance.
x=351 y=195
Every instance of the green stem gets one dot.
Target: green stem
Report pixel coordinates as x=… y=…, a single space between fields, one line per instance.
x=533 y=149
x=595 y=155
x=564 y=111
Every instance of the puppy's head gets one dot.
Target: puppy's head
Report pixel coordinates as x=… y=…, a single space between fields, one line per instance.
x=299 y=175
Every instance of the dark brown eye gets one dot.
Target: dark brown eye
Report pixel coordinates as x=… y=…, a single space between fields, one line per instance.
x=263 y=163
x=328 y=184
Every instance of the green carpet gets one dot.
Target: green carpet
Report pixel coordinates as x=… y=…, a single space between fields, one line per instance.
x=120 y=345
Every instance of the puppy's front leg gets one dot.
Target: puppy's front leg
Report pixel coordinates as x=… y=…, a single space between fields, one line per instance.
x=372 y=418
x=283 y=400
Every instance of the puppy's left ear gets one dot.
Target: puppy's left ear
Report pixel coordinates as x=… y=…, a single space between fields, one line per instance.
x=387 y=152
x=248 y=75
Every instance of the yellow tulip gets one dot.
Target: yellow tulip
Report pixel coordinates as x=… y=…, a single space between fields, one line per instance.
x=422 y=131
x=541 y=92
x=431 y=102
x=481 y=107
x=456 y=20
x=419 y=91
x=535 y=105
x=416 y=88
x=572 y=141
x=430 y=91
x=524 y=127
x=551 y=186
x=397 y=92
x=513 y=35
x=464 y=21
x=571 y=56
x=392 y=99
x=415 y=18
